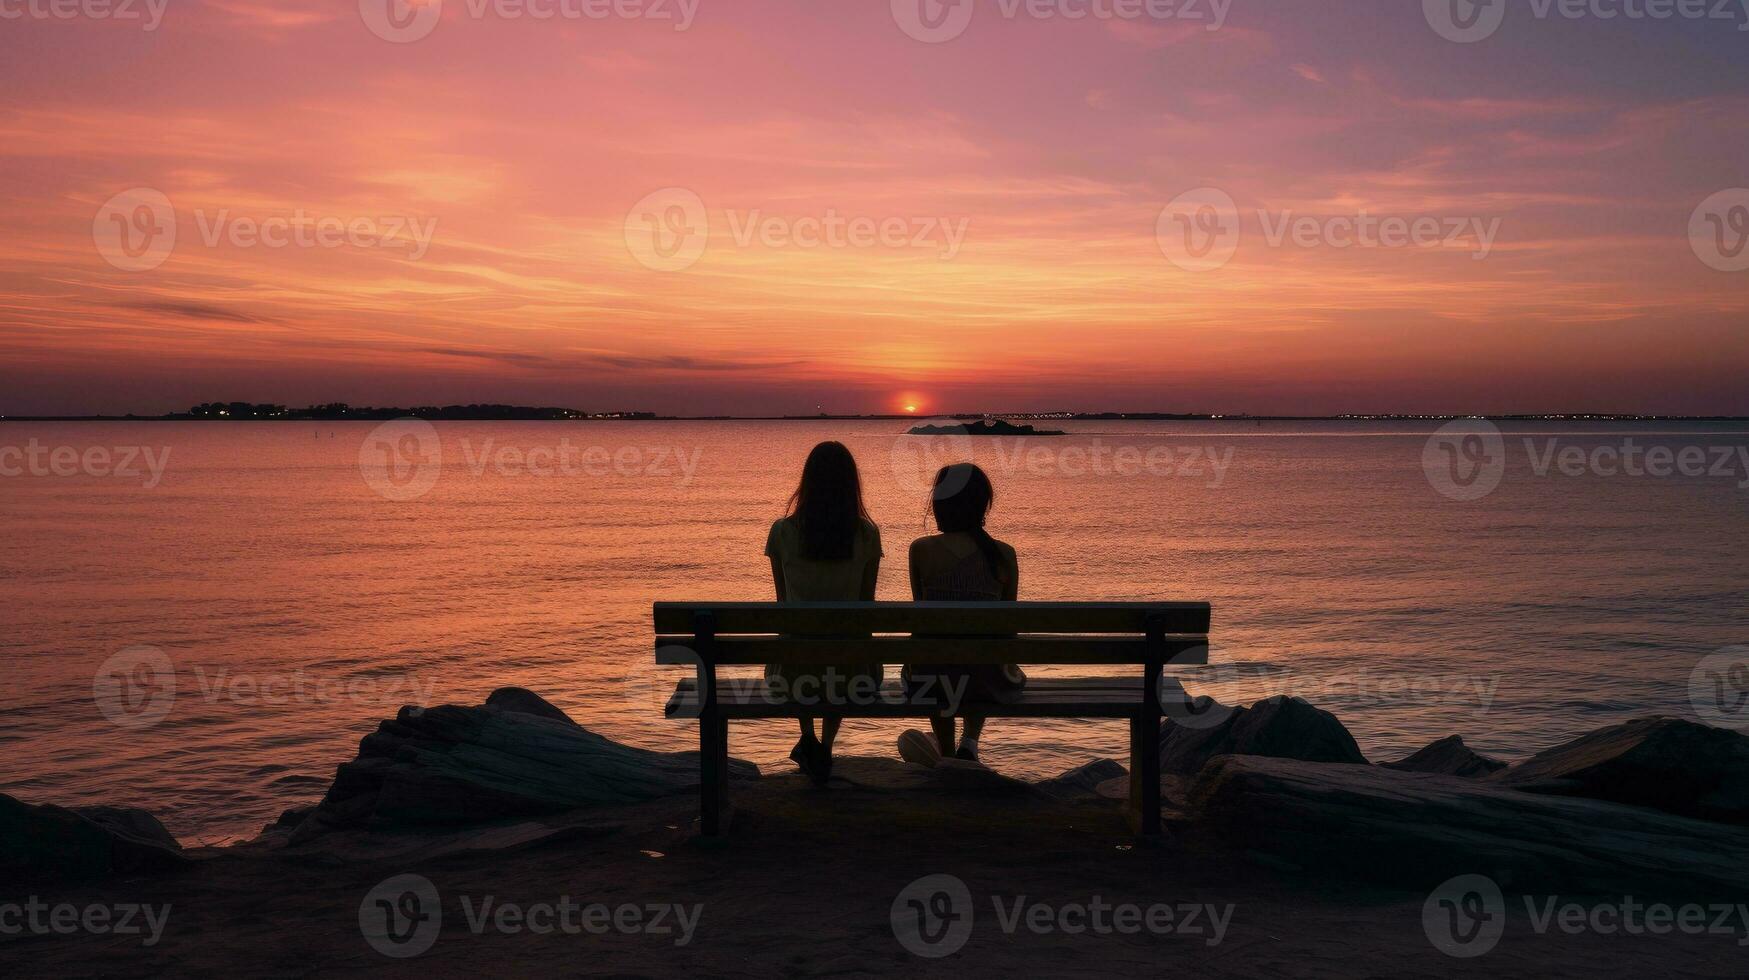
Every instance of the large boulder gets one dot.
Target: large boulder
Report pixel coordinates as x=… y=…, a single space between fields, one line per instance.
x=1083 y=782
x=89 y=842
x=453 y=765
x=1279 y=727
x=527 y=702
x=1448 y=757
x=1414 y=830
x=1664 y=763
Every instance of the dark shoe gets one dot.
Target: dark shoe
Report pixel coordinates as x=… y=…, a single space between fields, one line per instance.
x=804 y=754
x=822 y=764
x=967 y=753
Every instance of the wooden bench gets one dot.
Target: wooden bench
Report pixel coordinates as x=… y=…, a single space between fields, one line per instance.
x=1148 y=636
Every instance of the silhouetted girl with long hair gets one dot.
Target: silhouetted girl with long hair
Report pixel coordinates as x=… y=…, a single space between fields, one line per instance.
x=825 y=550
x=963 y=563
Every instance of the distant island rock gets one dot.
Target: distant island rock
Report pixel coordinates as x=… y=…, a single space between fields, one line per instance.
x=989 y=427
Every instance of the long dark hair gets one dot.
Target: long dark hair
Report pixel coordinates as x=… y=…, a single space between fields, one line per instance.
x=961 y=499
x=827 y=506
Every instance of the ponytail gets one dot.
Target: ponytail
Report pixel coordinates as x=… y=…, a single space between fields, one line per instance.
x=992 y=554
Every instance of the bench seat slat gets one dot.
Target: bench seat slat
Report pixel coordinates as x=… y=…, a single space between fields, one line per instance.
x=948 y=618
x=1067 y=650
x=1043 y=698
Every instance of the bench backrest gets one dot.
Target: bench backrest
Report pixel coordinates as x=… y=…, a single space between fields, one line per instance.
x=922 y=632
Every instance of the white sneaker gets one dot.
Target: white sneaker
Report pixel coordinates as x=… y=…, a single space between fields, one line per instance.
x=919 y=749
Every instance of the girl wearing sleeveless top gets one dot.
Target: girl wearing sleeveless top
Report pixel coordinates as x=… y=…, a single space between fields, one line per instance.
x=962 y=563
x=824 y=550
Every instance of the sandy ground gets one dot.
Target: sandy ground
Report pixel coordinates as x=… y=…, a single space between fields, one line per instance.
x=807 y=886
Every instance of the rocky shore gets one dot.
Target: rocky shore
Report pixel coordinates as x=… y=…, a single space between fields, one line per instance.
x=1324 y=860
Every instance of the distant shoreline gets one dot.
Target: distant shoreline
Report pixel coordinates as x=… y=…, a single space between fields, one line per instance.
x=1064 y=417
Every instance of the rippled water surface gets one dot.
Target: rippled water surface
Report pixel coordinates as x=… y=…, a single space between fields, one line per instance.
x=299 y=605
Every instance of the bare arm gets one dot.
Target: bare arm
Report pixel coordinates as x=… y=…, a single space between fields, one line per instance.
x=777 y=579
x=870 y=576
x=1011 y=588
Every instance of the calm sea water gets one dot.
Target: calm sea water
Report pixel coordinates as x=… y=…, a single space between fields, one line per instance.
x=298 y=604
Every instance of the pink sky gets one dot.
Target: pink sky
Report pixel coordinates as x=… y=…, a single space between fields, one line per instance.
x=1054 y=145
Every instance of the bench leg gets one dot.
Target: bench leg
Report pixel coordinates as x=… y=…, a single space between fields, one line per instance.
x=1144 y=806
x=713 y=784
